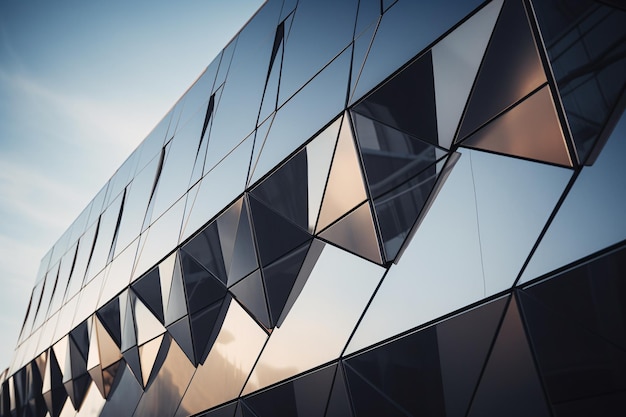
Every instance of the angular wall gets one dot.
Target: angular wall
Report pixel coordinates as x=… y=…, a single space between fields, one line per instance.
x=361 y=208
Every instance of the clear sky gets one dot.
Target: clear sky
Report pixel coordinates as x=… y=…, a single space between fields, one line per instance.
x=81 y=84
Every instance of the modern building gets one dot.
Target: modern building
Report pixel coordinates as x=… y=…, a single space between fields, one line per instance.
x=361 y=208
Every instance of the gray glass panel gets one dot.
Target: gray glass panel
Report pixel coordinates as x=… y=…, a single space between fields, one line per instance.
x=88 y=299
x=230 y=360
x=440 y=270
x=66 y=316
x=455 y=62
x=321 y=29
x=421 y=22
x=79 y=225
x=118 y=274
x=152 y=144
x=197 y=96
x=46 y=294
x=92 y=403
x=306 y=113
x=135 y=205
x=238 y=110
x=369 y=11
x=106 y=230
x=121 y=178
x=62 y=280
x=592 y=215
x=217 y=189
x=85 y=244
x=97 y=205
x=362 y=44
x=514 y=199
x=321 y=319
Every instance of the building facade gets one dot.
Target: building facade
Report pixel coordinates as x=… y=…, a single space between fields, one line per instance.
x=360 y=208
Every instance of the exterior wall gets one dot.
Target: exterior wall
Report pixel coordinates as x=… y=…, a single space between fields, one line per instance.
x=360 y=208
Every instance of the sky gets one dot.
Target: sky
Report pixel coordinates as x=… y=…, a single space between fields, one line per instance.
x=81 y=85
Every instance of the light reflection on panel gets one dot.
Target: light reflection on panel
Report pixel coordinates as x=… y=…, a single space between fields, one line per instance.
x=455 y=62
x=44 y=303
x=97 y=205
x=118 y=273
x=422 y=22
x=218 y=188
x=66 y=316
x=592 y=215
x=85 y=245
x=92 y=404
x=47 y=334
x=440 y=270
x=225 y=370
x=514 y=199
x=108 y=222
x=307 y=112
x=88 y=299
x=314 y=333
x=159 y=239
x=152 y=144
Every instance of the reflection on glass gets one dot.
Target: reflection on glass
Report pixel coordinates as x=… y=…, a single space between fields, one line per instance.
x=88 y=299
x=146 y=324
x=345 y=188
x=427 y=283
x=225 y=370
x=314 y=333
x=124 y=396
x=66 y=316
x=147 y=357
x=456 y=59
x=118 y=274
x=92 y=404
x=514 y=199
x=529 y=130
x=104 y=239
x=591 y=217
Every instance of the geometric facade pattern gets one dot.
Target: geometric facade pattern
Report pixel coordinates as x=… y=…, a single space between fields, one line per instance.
x=360 y=208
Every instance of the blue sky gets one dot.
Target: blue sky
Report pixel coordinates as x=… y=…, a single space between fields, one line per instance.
x=81 y=84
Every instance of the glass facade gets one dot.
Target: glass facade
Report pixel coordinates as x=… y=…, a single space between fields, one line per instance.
x=361 y=208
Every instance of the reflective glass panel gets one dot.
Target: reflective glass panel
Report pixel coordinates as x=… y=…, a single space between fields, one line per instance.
x=124 y=396
x=118 y=274
x=104 y=239
x=88 y=299
x=235 y=351
x=85 y=245
x=306 y=338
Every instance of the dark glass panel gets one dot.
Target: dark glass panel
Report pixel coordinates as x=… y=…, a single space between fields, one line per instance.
x=456 y=59
x=529 y=130
x=110 y=317
x=368 y=13
x=275 y=235
x=367 y=400
x=592 y=295
x=78 y=363
x=586 y=48
x=148 y=288
x=181 y=333
x=280 y=277
x=285 y=190
x=202 y=288
x=510 y=376
x=176 y=301
x=129 y=333
x=131 y=356
x=77 y=390
x=109 y=351
x=578 y=366
x=421 y=22
x=251 y=294
x=398 y=210
x=510 y=70
x=407 y=101
x=104 y=238
x=356 y=233
x=304 y=396
x=320 y=31
x=225 y=411
x=147 y=325
x=406 y=371
x=125 y=395
x=339 y=400
x=244 y=259
x=206 y=249
x=390 y=157
x=361 y=47
x=203 y=324
x=108 y=377
x=464 y=343
x=80 y=336
x=152 y=144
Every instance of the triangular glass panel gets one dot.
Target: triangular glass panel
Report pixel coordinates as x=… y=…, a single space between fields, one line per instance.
x=76 y=390
x=125 y=394
x=244 y=411
x=177 y=303
x=202 y=324
x=390 y=157
x=339 y=400
x=108 y=377
x=225 y=411
x=582 y=371
x=148 y=289
x=510 y=70
x=398 y=210
x=308 y=393
x=147 y=325
x=244 y=258
x=78 y=364
x=147 y=355
x=530 y=130
x=55 y=400
x=344 y=189
x=129 y=333
x=280 y=277
x=275 y=235
x=319 y=154
x=356 y=233
x=206 y=249
x=201 y=287
x=272 y=82
x=464 y=343
x=527 y=193
x=109 y=351
x=260 y=136
x=251 y=294
x=131 y=356
x=367 y=400
x=166 y=272
x=407 y=101
x=80 y=335
x=109 y=316
x=456 y=59
x=285 y=190
x=181 y=333
x=227 y=224
x=362 y=44
x=368 y=14
x=510 y=376
x=96 y=376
